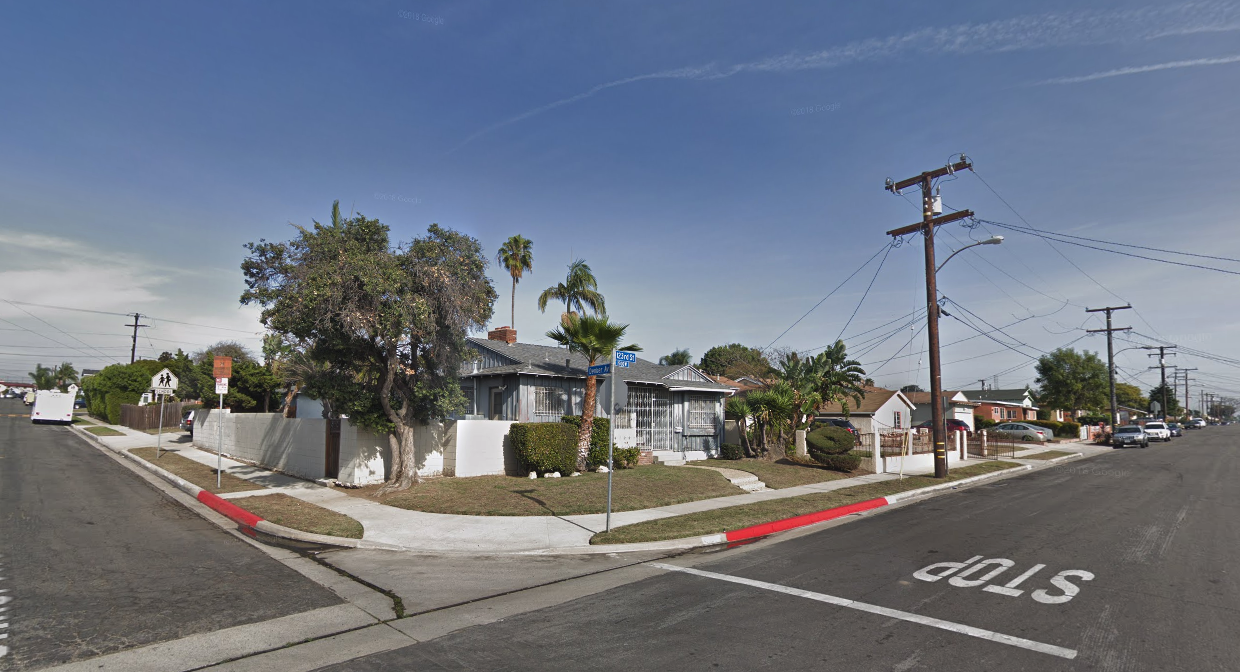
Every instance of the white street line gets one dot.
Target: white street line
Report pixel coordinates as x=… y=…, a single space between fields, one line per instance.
x=4 y=616
x=882 y=611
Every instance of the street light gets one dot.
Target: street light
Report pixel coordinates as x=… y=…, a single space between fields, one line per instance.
x=993 y=240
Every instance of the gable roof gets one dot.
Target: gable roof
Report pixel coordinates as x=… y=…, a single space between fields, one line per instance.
x=875 y=398
x=1014 y=396
x=545 y=360
x=923 y=398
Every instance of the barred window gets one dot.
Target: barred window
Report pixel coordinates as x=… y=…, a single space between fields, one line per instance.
x=548 y=401
x=701 y=412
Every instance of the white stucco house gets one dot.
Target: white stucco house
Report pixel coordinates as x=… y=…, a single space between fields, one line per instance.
x=879 y=411
x=956 y=406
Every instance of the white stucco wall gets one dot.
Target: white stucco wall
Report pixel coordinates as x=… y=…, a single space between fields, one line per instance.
x=477 y=448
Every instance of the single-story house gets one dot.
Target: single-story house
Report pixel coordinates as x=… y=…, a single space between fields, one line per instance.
x=956 y=406
x=880 y=410
x=1003 y=405
x=674 y=409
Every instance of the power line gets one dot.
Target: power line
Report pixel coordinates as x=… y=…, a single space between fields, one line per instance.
x=149 y=317
x=867 y=291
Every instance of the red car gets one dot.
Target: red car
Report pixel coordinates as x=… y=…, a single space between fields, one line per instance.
x=953 y=425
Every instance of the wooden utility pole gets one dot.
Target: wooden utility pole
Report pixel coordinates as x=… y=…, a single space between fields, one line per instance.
x=927 y=226
x=1110 y=354
x=1187 y=399
x=133 y=351
x=1162 y=366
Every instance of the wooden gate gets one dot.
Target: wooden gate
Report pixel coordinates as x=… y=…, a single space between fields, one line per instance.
x=331 y=452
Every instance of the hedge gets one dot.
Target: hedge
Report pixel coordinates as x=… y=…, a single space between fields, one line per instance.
x=828 y=446
x=731 y=451
x=983 y=423
x=845 y=462
x=545 y=447
x=621 y=458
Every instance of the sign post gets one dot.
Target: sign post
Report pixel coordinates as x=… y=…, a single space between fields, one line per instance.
x=222 y=367
x=163 y=384
x=619 y=360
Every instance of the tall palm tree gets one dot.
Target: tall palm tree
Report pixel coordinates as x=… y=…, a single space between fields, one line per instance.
x=516 y=255
x=595 y=338
x=66 y=375
x=578 y=291
x=44 y=377
x=677 y=358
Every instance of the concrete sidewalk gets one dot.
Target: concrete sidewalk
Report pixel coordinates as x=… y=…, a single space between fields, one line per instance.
x=448 y=533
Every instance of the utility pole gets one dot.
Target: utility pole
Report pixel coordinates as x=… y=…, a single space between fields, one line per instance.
x=1110 y=353
x=1162 y=365
x=929 y=222
x=983 y=382
x=1187 y=399
x=133 y=351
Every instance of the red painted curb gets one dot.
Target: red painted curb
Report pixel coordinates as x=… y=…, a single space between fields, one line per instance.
x=232 y=511
x=801 y=521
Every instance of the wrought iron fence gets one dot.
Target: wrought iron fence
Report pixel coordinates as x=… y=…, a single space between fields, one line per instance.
x=990 y=446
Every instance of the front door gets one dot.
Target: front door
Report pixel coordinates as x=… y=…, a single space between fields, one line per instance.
x=497 y=404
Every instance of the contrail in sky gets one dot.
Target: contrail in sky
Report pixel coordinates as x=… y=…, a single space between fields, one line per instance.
x=1143 y=68
x=1016 y=34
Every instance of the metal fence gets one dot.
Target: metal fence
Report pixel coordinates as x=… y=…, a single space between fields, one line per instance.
x=865 y=448
x=990 y=446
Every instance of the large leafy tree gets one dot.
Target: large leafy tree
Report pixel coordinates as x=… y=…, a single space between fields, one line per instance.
x=389 y=324
x=516 y=256
x=1071 y=380
x=1130 y=396
x=578 y=292
x=595 y=338
x=677 y=358
x=735 y=360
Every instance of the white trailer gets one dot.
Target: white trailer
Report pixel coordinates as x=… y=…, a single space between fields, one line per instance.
x=53 y=406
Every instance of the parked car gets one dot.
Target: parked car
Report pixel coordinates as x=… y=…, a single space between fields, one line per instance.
x=1157 y=430
x=953 y=425
x=1197 y=423
x=187 y=423
x=1022 y=431
x=1130 y=435
x=1175 y=429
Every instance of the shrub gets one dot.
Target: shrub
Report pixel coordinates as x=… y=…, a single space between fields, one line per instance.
x=621 y=458
x=1093 y=419
x=845 y=462
x=826 y=441
x=1048 y=424
x=982 y=423
x=731 y=451
x=545 y=447
x=1068 y=430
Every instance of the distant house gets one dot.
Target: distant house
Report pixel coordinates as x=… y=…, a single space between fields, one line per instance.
x=739 y=387
x=1004 y=405
x=674 y=409
x=956 y=406
x=880 y=410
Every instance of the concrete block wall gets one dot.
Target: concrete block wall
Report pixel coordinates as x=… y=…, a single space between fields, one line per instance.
x=294 y=446
x=478 y=448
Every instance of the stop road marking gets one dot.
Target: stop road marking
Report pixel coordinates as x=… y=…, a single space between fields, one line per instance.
x=972 y=575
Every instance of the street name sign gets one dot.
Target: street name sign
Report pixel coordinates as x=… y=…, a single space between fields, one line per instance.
x=164 y=382
x=599 y=370
x=624 y=358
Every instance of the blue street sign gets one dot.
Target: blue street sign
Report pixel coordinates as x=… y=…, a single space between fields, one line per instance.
x=599 y=370
x=624 y=358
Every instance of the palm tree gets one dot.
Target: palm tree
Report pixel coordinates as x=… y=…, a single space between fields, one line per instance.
x=66 y=375
x=677 y=358
x=738 y=410
x=840 y=378
x=595 y=338
x=516 y=255
x=578 y=291
x=44 y=377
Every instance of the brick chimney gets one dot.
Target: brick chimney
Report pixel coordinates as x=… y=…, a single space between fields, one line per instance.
x=505 y=334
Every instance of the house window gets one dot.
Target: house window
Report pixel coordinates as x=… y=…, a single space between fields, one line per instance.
x=897 y=420
x=548 y=401
x=702 y=412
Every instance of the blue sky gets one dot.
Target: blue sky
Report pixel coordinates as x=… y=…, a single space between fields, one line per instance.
x=144 y=143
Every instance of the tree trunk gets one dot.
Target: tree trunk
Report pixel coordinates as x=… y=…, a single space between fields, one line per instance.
x=404 y=460
x=514 y=303
x=587 y=422
x=290 y=402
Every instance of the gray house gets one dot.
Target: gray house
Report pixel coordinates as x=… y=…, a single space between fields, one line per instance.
x=674 y=409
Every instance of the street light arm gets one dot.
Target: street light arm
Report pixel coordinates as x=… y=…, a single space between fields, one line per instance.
x=993 y=240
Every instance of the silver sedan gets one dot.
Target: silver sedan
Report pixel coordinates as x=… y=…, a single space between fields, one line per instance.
x=1022 y=431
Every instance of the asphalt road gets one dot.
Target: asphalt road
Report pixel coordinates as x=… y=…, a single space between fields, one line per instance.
x=1152 y=534
x=95 y=560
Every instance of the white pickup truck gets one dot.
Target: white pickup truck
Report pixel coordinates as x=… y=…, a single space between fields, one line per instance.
x=1158 y=430
x=53 y=406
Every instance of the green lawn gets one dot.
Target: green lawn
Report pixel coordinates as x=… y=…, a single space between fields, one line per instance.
x=777 y=475
x=638 y=488
x=737 y=517
x=99 y=430
x=1048 y=455
x=195 y=472
x=291 y=512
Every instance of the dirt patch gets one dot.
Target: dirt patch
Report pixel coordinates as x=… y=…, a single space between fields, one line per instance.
x=195 y=472
x=282 y=509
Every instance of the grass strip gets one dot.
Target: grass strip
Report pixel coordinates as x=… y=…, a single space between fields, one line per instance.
x=282 y=509
x=779 y=474
x=737 y=517
x=99 y=430
x=641 y=487
x=1048 y=455
x=197 y=473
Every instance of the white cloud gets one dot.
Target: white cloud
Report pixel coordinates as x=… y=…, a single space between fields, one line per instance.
x=1136 y=70
x=1017 y=34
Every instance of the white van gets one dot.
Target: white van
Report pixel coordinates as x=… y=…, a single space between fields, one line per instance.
x=53 y=406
